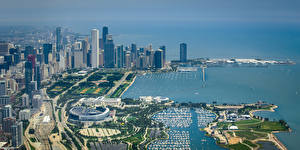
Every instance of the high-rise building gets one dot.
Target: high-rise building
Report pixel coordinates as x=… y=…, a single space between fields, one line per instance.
x=163 y=48
x=133 y=52
x=25 y=100
x=28 y=76
x=128 y=60
x=7 y=111
x=29 y=50
x=47 y=48
x=37 y=75
x=109 y=52
x=85 y=48
x=59 y=45
x=77 y=59
x=4 y=100
x=17 y=134
x=24 y=114
x=183 y=52
x=7 y=123
x=31 y=58
x=120 y=57
x=104 y=34
x=4 y=48
x=89 y=58
x=101 y=58
x=3 y=87
x=37 y=101
x=158 y=59
x=95 y=48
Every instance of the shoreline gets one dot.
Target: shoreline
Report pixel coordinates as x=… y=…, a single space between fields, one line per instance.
x=133 y=80
x=271 y=136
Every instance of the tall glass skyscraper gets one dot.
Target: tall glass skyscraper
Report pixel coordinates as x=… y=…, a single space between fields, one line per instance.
x=183 y=52
x=104 y=34
x=59 y=45
x=109 y=53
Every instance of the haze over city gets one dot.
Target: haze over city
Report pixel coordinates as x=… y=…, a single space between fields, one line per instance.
x=141 y=74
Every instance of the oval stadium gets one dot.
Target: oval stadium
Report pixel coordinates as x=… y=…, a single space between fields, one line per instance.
x=82 y=114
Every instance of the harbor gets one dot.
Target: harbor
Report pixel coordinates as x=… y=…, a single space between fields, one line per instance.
x=184 y=129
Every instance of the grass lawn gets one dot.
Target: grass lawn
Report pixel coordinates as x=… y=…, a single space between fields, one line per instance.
x=238 y=146
x=250 y=143
x=131 y=118
x=250 y=135
x=272 y=126
x=244 y=122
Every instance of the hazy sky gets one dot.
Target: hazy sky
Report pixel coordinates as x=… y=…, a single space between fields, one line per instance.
x=41 y=11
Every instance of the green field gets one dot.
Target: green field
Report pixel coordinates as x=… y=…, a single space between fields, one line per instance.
x=238 y=146
x=250 y=135
x=250 y=143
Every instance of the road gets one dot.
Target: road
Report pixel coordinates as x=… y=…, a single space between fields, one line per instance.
x=112 y=90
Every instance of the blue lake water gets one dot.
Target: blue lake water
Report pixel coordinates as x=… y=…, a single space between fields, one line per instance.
x=279 y=85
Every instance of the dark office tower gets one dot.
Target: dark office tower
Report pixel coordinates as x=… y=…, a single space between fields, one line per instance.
x=109 y=53
x=37 y=75
x=28 y=76
x=4 y=48
x=8 y=59
x=183 y=52
x=31 y=58
x=163 y=48
x=58 y=39
x=141 y=62
x=7 y=123
x=39 y=58
x=2 y=87
x=17 y=134
x=47 y=48
x=85 y=48
x=28 y=50
x=101 y=44
x=133 y=52
x=104 y=34
x=89 y=56
x=120 y=57
x=158 y=59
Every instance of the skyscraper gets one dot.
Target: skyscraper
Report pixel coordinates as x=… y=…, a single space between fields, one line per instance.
x=7 y=111
x=183 y=52
x=37 y=75
x=47 y=48
x=4 y=48
x=109 y=53
x=163 y=48
x=17 y=134
x=29 y=50
x=128 y=60
x=158 y=59
x=59 y=45
x=104 y=34
x=120 y=57
x=133 y=52
x=85 y=48
x=7 y=123
x=2 y=87
x=28 y=76
x=95 y=48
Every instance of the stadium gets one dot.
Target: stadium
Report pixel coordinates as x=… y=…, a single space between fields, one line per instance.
x=85 y=114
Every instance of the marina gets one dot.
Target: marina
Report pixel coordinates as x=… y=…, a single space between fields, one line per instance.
x=184 y=132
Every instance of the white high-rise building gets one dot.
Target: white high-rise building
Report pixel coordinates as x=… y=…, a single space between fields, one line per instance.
x=95 y=48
